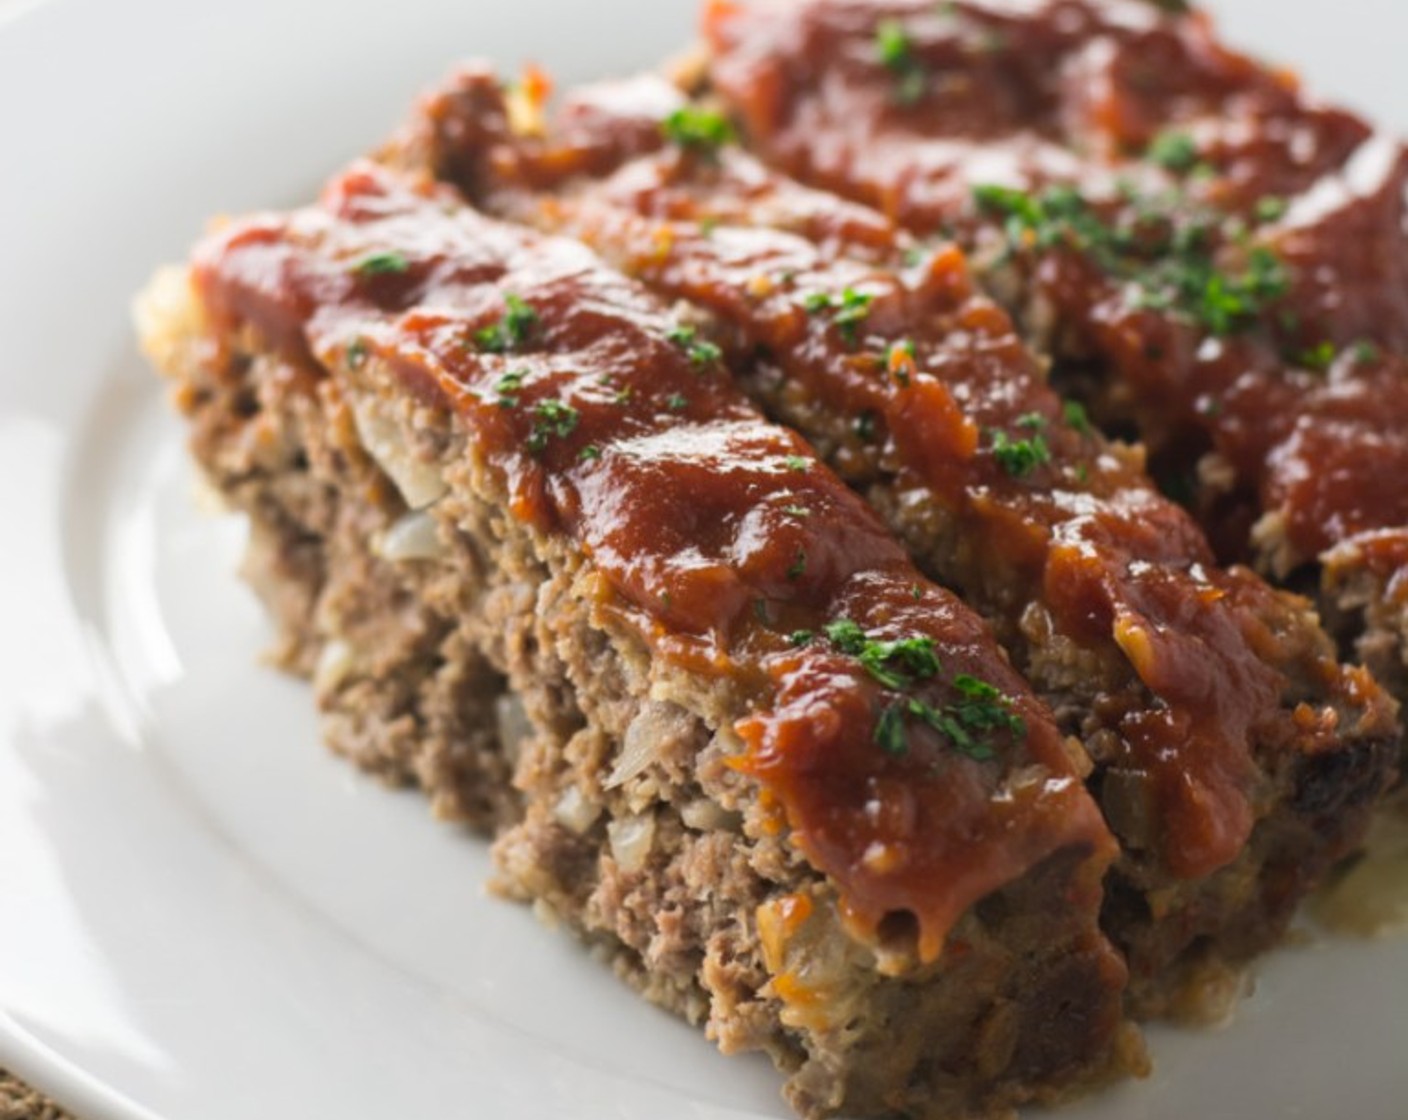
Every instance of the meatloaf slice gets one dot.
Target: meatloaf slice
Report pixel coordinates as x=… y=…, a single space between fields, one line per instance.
x=1215 y=260
x=788 y=786
x=1232 y=755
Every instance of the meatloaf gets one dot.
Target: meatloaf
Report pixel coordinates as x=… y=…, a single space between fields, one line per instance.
x=544 y=557
x=1232 y=755
x=1215 y=260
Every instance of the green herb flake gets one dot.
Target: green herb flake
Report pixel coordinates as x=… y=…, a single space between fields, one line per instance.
x=1165 y=251
x=589 y=453
x=507 y=385
x=382 y=264
x=1270 y=209
x=1020 y=457
x=1319 y=357
x=865 y=426
x=850 y=310
x=697 y=129
x=1174 y=151
x=1366 y=353
x=357 y=353
x=894 y=664
x=895 y=49
x=796 y=463
x=511 y=331
x=1073 y=412
x=798 y=512
x=552 y=420
x=801 y=637
x=890 y=734
x=968 y=723
x=700 y=351
x=677 y=402
x=1031 y=421
x=846 y=636
x=799 y=565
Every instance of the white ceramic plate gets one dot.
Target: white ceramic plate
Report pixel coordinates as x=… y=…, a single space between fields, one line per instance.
x=201 y=914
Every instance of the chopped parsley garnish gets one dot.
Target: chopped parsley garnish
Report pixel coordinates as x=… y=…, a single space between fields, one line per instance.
x=703 y=130
x=796 y=463
x=1270 y=209
x=382 y=264
x=1020 y=457
x=968 y=723
x=1032 y=421
x=700 y=351
x=977 y=711
x=849 y=312
x=799 y=565
x=509 y=384
x=896 y=664
x=357 y=353
x=1174 y=151
x=890 y=733
x=677 y=402
x=552 y=420
x=510 y=332
x=1319 y=357
x=798 y=512
x=896 y=52
x=1163 y=247
x=800 y=637
x=591 y=451
x=1076 y=416
x=1366 y=353
x=865 y=426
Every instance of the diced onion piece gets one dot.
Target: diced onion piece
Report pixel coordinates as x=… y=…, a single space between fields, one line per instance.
x=513 y=724
x=656 y=725
x=704 y=815
x=335 y=665
x=631 y=838
x=574 y=810
x=420 y=483
x=414 y=536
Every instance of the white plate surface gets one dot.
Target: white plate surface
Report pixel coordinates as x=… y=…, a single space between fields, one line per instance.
x=201 y=914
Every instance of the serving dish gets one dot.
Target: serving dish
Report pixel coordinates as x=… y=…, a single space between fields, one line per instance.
x=203 y=914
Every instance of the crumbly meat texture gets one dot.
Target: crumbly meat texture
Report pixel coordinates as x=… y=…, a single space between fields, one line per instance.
x=717 y=232
x=611 y=790
x=1214 y=259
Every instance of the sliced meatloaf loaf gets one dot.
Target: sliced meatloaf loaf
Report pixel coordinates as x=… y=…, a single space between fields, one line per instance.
x=1234 y=758
x=790 y=787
